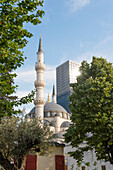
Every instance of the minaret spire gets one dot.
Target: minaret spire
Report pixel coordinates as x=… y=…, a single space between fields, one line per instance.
x=40 y=45
x=48 y=100
x=53 y=95
x=53 y=90
x=39 y=83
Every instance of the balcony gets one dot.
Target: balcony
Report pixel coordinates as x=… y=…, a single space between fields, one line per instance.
x=39 y=66
x=39 y=100
x=40 y=83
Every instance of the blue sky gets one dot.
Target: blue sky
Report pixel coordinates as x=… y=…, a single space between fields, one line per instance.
x=70 y=29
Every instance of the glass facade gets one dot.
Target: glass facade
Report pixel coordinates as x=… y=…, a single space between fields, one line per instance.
x=66 y=73
x=63 y=100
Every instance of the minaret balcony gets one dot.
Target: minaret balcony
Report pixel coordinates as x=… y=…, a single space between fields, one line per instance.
x=39 y=66
x=39 y=100
x=39 y=83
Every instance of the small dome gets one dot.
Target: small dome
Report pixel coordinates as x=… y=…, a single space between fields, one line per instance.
x=65 y=124
x=53 y=107
x=59 y=135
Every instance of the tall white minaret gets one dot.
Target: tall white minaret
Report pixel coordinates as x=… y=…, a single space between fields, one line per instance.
x=39 y=83
x=53 y=95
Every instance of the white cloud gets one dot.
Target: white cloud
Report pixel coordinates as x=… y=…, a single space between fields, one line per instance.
x=81 y=44
x=64 y=58
x=22 y=93
x=26 y=76
x=50 y=75
x=75 y=5
x=29 y=76
x=104 y=42
x=28 y=106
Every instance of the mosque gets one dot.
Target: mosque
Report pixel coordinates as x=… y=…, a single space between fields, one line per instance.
x=58 y=119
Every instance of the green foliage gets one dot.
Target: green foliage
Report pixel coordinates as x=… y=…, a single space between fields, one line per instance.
x=87 y=163
x=18 y=138
x=13 y=38
x=92 y=111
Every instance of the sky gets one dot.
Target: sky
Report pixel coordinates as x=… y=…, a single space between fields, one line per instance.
x=71 y=30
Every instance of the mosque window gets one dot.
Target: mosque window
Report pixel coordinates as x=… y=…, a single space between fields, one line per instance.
x=67 y=116
x=51 y=114
x=103 y=167
x=62 y=115
x=45 y=114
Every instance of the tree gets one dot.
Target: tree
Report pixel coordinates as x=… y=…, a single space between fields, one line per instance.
x=19 y=138
x=91 y=104
x=13 y=38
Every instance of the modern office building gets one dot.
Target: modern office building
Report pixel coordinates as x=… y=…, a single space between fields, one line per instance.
x=66 y=74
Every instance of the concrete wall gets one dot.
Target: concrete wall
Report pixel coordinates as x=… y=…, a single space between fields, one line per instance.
x=48 y=162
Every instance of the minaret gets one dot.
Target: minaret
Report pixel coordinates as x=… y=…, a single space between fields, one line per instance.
x=39 y=83
x=53 y=95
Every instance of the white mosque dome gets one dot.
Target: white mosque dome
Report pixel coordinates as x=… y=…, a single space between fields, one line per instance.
x=53 y=107
x=50 y=107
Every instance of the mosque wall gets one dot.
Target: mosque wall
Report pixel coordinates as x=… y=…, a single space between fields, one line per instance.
x=57 y=122
x=48 y=162
x=89 y=156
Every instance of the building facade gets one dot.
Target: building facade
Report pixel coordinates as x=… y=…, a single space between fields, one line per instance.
x=66 y=74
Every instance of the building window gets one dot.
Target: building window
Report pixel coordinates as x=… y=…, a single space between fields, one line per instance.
x=83 y=168
x=103 y=167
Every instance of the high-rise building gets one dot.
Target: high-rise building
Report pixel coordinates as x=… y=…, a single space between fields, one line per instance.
x=66 y=74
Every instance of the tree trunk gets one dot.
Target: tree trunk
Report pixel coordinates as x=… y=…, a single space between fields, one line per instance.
x=23 y=164
x=111 y=160
x=5 y=163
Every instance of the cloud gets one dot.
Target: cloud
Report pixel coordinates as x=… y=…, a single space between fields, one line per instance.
x=50 y=75
x=28 y=106
x=75 y=5
x=96 y=48
x=22 y=93
x=64 y=58
x=81 y=44
x=29 y=75
x=26 y=79
x=26 y=76
x=104 y=42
